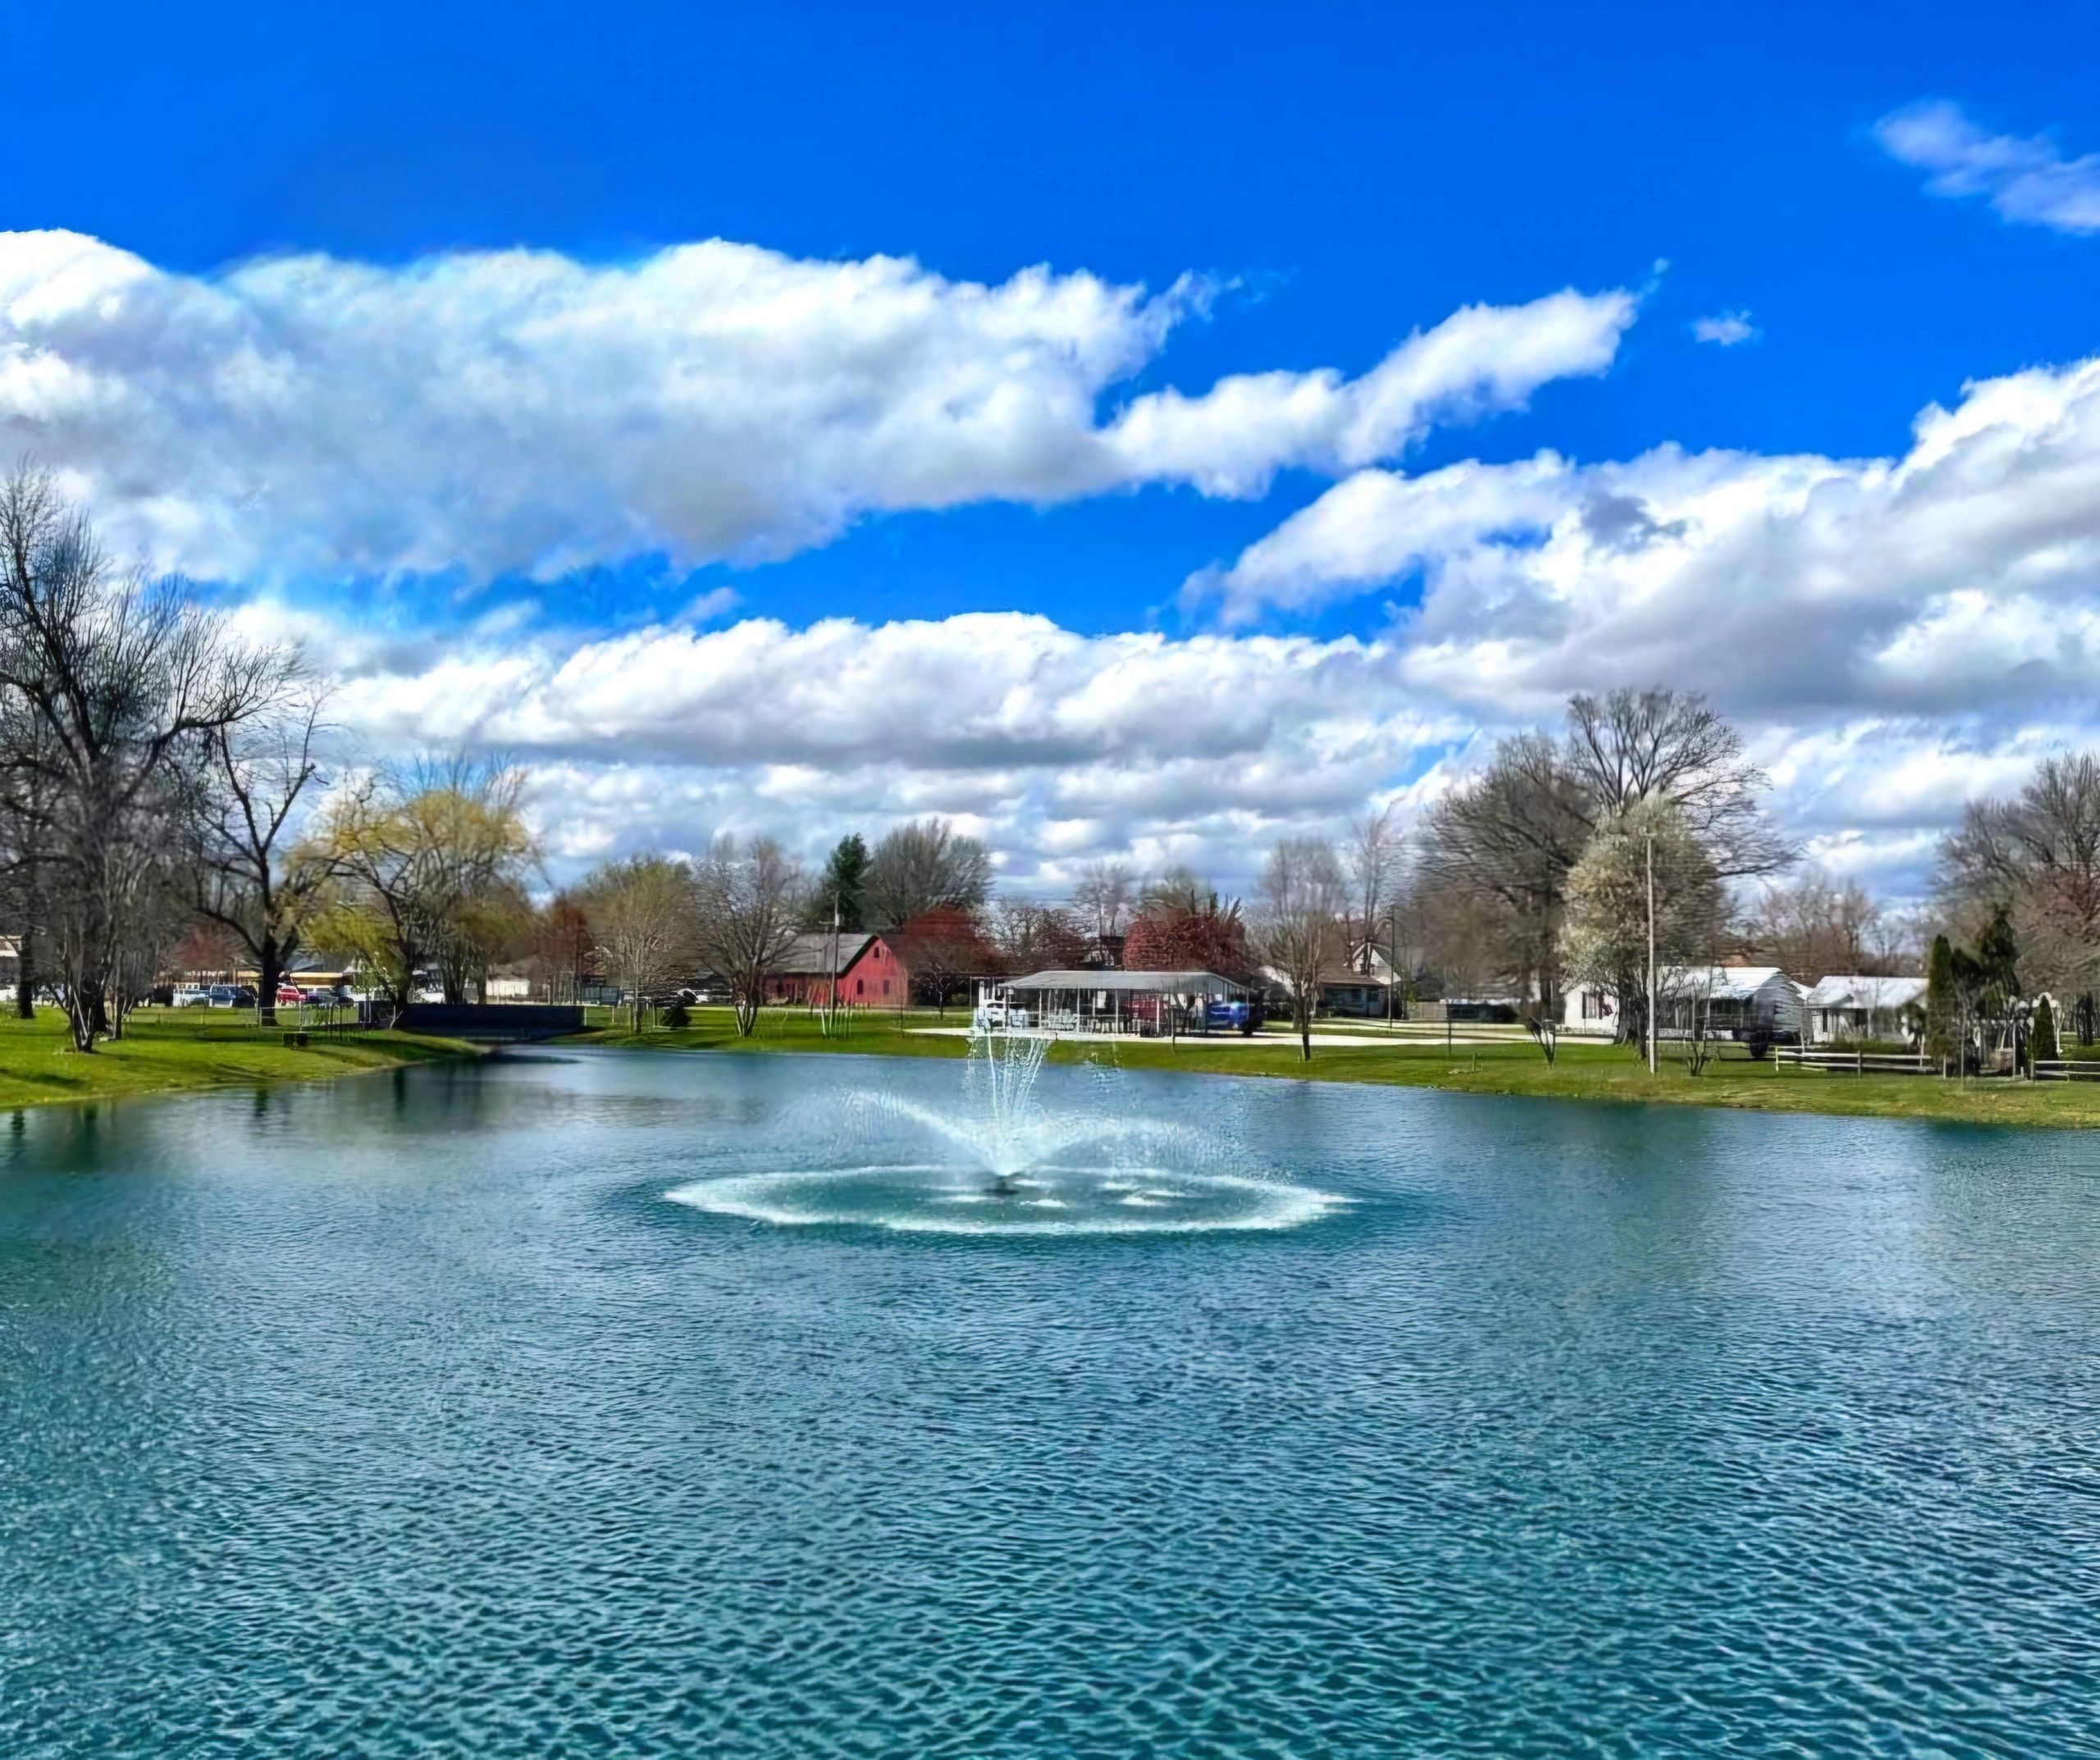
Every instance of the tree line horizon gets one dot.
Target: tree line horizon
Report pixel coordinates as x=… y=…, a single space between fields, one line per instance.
x=161 y=778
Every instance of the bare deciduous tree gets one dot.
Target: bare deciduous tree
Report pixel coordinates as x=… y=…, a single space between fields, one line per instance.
x=250 y=877
x=644 y=918
x=1033 y=937
x=747 y=903
x=1502 y=845
x=1510 y=837
x=1372 y=855
x=2036 y=856
x=110 y=686
x=1815 y=926
x=1669 y=745
x=1300 y=914
x=920 y=867
x=1102 y=898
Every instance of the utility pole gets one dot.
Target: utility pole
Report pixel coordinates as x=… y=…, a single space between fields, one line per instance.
x=1392 y=958
x=831 y=1000
x=1651 y=954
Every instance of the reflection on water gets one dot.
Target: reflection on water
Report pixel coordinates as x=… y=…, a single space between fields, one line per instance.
x=409 y=1415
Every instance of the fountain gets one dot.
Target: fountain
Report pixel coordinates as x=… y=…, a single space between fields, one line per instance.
x=1014 y=1165
x=1004 y=1065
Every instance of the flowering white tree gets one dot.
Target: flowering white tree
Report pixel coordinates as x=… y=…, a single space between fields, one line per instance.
x=1604 y=940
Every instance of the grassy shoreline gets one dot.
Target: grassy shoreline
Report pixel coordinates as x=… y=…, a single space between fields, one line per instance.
x=164 y=1052
x=1586 y=1072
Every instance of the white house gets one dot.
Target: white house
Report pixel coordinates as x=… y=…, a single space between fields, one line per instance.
x=1588 y=1007
x=1850 y=1006
x=1729 y=1000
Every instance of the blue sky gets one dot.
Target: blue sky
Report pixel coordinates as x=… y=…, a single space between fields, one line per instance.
x=1336 y=177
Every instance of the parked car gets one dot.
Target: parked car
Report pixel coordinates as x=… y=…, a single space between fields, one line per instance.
x=222 y=996
x=290 y=996
x=191 y=996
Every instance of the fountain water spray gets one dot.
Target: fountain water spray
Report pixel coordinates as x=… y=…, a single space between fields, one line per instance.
x=1003 y=1065
x=1067 y=1170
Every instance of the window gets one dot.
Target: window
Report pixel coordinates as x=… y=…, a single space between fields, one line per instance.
x=885 y=986
x=860 y=987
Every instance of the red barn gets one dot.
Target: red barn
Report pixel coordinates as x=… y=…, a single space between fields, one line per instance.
x=870 y=975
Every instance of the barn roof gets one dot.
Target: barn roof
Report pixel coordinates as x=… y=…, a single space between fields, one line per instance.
x=808 y=955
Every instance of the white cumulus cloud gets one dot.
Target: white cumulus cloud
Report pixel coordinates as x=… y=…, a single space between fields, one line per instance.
x=2026 y=179
x=519 y=411
x=1961 y=577
x=1057 y=746
x=1725 y=329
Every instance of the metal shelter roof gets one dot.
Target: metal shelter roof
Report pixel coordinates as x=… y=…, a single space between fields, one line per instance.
x=1148 y=983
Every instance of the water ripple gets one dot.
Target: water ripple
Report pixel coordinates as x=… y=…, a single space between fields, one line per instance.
x=409 y=1420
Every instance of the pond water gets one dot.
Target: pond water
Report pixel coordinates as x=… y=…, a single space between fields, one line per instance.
x=652 y=1405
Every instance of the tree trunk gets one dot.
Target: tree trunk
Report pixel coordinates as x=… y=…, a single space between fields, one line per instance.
x=269 y=972
x=25 y=980
x=1302 y=1008
x=83 y=1001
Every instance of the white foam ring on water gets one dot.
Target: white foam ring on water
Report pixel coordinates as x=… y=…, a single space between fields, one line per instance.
x=814 y=1199
x=1090 y=1167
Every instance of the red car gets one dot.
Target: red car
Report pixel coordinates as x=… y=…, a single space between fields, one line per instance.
x=290 y=994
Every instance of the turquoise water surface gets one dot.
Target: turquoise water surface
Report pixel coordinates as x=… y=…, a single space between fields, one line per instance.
x=529 y=1409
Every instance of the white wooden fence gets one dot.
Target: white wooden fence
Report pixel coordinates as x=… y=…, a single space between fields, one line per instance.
x=2067 y=1070
x=1837 y=1062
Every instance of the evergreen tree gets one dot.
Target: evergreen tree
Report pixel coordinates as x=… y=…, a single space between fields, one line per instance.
x=2044 y=1041
x=1993 y=985
x=1941 y=1005
x=845 y=874
x=1997 y=958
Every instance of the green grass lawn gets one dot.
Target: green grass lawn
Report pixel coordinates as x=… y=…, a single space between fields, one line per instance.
x=1582 y=1072
x=163 y=1050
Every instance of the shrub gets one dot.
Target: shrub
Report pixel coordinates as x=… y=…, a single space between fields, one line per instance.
x=2043 y=1046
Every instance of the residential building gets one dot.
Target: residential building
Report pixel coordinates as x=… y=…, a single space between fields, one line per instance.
x=870 y=973
x=1851 y=1006
x=1727 y=1001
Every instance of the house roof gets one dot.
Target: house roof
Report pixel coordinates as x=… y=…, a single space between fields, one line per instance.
x=808 y=955
x=1853 y=990
x=1730 y=983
